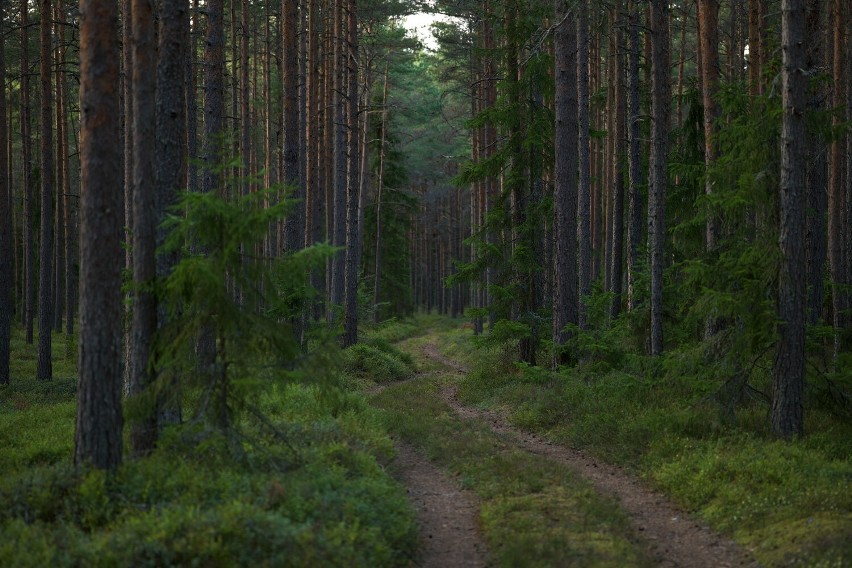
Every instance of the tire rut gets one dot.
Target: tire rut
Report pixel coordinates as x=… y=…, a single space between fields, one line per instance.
x=674 y=539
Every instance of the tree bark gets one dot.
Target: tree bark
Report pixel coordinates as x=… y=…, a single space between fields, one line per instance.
x=817 y=178
x=143 y=430
x=617 y=260
x=171 y=162
x=28 y=313
x=566 y=293
x=708 y=13
x=380 y=182
x=44 y=370
x=353 y=197
x=786 y=416
x=214 y=95
x=660 y=96
x=6 y=274
x=836 y=183
x=339 y=160
x=245 y=140
x=294 y=225
x=634 y=157
x=97 y=438
x=584 y=203
x=59 y=227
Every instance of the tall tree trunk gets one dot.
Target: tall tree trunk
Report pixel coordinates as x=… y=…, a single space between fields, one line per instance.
x=97 y=438
x=836 y=184
x=817 y=170
x=566 y=294
x=708 y=13
x=44 y=370
x=339 y=159
x=584 y=221
x=214 y=95
x=213 y=145
x=617 y=260
x=380 y=182
x=171 y=157
x=70 y=225
x=754 y=38
x=245 y=140
x=28 y=313
x=353 y=197
x=127 y=170
x=295 y=221
x=6 y=274
x=660 y=96
x=786 y=417
x=191 y=101
x=634 y=157
x=143 y=430
x=59 y=234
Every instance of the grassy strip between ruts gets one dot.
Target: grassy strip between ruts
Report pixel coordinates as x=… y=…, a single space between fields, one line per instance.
x=788 y=503
x=533 y=512
x=323 y=498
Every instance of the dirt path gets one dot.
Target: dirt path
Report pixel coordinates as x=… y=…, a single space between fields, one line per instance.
x=673 y=537
x=449 y=536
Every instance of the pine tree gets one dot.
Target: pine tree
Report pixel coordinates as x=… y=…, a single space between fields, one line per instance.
x=786 y=416
x=97 y=438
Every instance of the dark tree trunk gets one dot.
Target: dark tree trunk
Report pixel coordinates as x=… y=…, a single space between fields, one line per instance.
x=191 y=102
x=786 y=417
x=339 y=160
x=97 y=438
x=44 y=370
x=380 y=182
x=143 y=430
x=59 y=227
x=817 y=171
x=214 y=109
x=353 y=241
x=6 y=273
x=584 y=203
x=245 y=141
x=660 y=96
x=171 y=155
x=836 y=185
x=634 y=158
x=28 y=313
x=214 y=94
x=754 y=37
x=708 y=11
x=566 y=298
x=295 y=221
x=617 y=260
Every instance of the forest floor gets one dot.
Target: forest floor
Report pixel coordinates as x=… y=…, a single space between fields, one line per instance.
x=655 y=531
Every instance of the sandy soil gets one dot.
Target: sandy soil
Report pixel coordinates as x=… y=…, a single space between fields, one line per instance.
x=447 y=515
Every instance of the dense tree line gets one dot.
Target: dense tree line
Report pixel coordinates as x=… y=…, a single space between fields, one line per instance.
x=676 y=169
x=679 y=169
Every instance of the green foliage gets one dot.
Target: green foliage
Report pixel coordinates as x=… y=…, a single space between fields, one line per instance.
x=380 y=365
x=662 y=418
x=202 y=498
x=239 y=301
x=533 y=511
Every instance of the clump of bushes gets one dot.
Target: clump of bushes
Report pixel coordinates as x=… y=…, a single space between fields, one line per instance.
x=379 y=361
x=312 y=492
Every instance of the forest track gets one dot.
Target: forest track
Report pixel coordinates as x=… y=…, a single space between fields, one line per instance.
x=446 y=515
x=674 y=539
x=449 y=534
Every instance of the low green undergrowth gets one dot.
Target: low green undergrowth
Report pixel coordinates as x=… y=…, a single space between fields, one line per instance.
x=307 y=486
x=533 y=512
x=789 y=503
